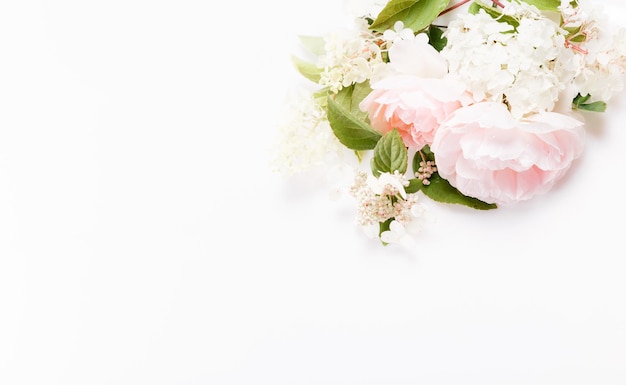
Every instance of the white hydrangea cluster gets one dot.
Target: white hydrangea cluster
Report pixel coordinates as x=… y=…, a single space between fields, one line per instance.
x=350 y=57
x=305 y=138
x=525 y=67
x=603 y=50
x=380 y=199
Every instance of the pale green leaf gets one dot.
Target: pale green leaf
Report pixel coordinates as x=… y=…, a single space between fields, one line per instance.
x=545 y=5
x=351 y=131
x=307 y=69
x=350 y=98
x=313 y=44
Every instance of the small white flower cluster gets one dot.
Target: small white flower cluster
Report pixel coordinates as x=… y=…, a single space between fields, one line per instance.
x=531 y=66
x=603 y=50
x=526 y=67
x=305 y=139
x=350 y=57
x=383 y=198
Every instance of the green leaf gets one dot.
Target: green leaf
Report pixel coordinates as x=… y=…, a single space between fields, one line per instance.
x=593 y=107
x=350 y=97
x=384 y=226
x=580 y=103
x=441 y=190
x=414 y=186
x=579 y=99
x=545 y=5
x=314 y=44
x=306 y=69
x=415 y=14
x=390 y=154
x=436 y=38
x=475 y=7
x=351 y=131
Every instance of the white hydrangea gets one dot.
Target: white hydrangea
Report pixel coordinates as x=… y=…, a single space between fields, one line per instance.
x=527 y=68
x=350 y=56
x=602 y=53
x=305 y=138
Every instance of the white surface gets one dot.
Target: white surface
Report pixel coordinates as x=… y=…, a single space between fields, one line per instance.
x=144 y=241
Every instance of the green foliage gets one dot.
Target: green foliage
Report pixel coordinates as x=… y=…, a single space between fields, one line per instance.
x=441 y=190
x=313 y=44
x=580 y=103
x=436 y=38
x=494 y=12
x=390 y=154
x=545 y=5
x=415 y=14
x=306 y=69
x=350 y=97
x=351 y=131
x=384 y=226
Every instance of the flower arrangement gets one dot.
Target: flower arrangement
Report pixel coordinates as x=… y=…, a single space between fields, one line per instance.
x=479 y=103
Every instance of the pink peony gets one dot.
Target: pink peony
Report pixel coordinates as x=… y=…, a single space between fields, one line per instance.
x=414 y=106
x=486 y=153
x=414 y=96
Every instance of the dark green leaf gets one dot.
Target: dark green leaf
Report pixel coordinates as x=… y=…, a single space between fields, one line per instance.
x=414 y=186
x=351 y=131
x=441 y=190
x=580 y=99
x=415 y=14
x=417 y=158
x=593 y=107
x=436 y=38
x=580 y=103
x=384 y=226
x=390 y=154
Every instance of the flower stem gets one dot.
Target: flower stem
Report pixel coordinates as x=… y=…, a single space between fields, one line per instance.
x=569 y=44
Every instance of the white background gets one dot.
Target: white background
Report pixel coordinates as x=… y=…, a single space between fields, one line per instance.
x=143 y=239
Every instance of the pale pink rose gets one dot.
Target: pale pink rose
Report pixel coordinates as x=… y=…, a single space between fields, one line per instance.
x=414 y=95
x=414 y=106
x=486 y=153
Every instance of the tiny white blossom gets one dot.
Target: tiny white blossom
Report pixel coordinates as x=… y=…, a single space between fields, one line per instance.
x=350 y=56
x=305 y=139
x=387 y=182
x=398 y=33
x=395 y=234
